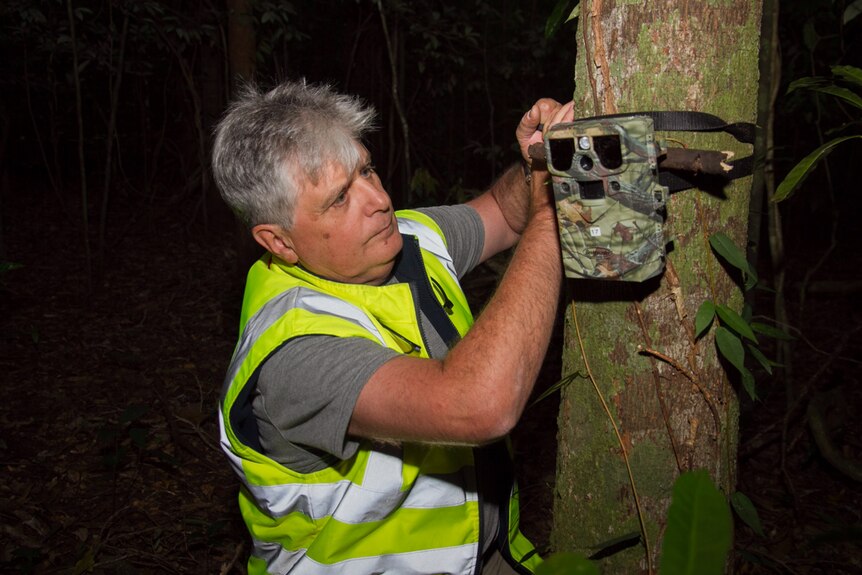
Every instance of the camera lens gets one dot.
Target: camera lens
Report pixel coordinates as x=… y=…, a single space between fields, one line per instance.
x=562 y=153
x=586 y=163
x=609 y=151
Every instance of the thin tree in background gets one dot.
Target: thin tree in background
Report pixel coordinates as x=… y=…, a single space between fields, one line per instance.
x=82 y=165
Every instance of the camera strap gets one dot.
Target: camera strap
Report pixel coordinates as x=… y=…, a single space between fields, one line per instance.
x=685 y=121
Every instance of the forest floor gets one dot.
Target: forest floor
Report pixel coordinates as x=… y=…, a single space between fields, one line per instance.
x=109 y=456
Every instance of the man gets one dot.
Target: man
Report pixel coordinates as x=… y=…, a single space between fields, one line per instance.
x=363 y=409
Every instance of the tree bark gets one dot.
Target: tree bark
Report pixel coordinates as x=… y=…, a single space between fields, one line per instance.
x=667 y=393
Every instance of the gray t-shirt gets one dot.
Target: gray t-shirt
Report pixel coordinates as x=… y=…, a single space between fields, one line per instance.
x=307 y=390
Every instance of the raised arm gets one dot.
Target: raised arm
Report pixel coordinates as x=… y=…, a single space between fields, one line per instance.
x=504 y=207
x=478 y=392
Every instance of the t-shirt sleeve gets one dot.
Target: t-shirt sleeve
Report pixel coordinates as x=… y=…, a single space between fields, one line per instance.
x=305 y=397
x=464 y=232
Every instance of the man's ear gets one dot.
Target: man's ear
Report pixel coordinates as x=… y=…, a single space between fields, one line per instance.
x=276 y=241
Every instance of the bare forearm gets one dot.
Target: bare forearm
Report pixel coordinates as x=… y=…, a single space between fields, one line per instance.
x=502 y=354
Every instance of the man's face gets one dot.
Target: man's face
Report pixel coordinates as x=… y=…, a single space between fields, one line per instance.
x=344 y=227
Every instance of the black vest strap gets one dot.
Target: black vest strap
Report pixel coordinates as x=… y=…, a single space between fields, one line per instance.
x=410 y=269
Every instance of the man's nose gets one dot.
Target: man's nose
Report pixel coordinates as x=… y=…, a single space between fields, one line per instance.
x=376 y=197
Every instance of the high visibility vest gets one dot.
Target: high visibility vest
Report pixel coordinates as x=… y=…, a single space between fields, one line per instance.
x=412 y=508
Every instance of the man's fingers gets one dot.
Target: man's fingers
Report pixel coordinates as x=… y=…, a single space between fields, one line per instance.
x=565 y=113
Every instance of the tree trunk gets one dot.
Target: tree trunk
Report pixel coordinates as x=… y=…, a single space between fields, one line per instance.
x=680 y=412
x=241 y=50
x=242 y=42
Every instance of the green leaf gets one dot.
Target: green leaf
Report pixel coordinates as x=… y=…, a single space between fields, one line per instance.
x=699 y=527
x=852 y=11
x=728 y=250
x=730 y=347
x=771 y=331
x=746 y=511
x=747 y=313
x=559 y=15
x=9 y=266
x=86 y=563
x=748 y=383
x=801 y=170
x=615 y=544
x=704 y=317
x=809 y=35
x=845 y=94
x=806 y=83
x=567 y=563
x=80 y=13
x=761 y=359
x=725 y=247
x=562 y=383
x=735 y=322
x=849 y=74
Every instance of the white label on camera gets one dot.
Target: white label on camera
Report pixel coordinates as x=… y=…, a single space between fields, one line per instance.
x=595 y=231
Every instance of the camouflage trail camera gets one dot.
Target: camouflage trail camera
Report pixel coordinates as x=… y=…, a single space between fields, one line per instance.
x=610 y=193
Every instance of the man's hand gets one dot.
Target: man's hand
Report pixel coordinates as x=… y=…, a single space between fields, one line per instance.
x=539 y=118
x=509 y=204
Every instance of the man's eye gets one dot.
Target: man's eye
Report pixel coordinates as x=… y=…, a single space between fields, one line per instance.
x=368 y=170
x=340 y=198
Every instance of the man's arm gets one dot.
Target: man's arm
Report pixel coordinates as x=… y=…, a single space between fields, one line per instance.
x=504 y=207
x=478 y=391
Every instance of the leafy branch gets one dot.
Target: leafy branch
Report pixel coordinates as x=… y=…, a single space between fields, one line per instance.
x=736 y=334
x=845 y=86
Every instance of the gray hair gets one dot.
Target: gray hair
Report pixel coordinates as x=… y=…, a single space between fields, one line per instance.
x=268 y=144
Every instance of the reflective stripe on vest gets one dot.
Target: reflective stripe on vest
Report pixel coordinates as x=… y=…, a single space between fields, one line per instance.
x=303 y=298
x=443 y=561
x=431 y=242
x=371 y=500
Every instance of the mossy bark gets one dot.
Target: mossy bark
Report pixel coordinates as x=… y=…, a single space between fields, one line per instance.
x=655 y=55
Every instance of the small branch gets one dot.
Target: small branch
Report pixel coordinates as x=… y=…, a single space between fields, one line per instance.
x=236 y=553
x=81 y=156
x=641 y=518
x=656 y=377
x=114 y=93
x=830 y=453
x=396 y=98
x=796 y=402
x=703 y=391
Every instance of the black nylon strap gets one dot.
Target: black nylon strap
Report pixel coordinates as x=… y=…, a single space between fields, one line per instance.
x=701 y=122
x=685 y=121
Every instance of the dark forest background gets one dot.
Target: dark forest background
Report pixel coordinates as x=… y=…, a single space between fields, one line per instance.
x=120 y=269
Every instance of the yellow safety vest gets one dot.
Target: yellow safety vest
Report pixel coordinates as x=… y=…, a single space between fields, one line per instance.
x=413 y=508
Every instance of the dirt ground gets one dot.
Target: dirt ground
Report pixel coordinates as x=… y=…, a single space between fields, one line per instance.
x=109 y=449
